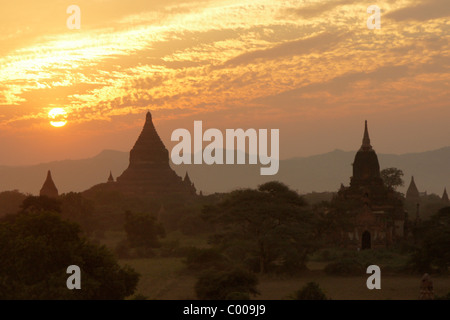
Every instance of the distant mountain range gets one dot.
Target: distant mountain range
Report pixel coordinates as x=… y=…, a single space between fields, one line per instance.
x=324 y=172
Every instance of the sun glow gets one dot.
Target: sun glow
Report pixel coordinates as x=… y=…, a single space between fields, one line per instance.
x=58 y=117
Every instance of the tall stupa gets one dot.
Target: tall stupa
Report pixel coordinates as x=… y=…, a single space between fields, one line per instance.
x=148 y=172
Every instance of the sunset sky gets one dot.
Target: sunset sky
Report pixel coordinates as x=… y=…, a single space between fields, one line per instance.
x=310 y=68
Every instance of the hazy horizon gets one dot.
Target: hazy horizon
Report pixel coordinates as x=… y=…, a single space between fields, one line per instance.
x=288 y=158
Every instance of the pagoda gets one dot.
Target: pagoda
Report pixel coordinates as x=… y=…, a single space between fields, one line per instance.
x=49 y=188
x=148 y=172
x=375 y=211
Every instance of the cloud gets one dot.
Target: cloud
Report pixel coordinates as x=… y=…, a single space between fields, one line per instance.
x=320 y=42
x=339 y=85
x=316 y=9
x=430 y=9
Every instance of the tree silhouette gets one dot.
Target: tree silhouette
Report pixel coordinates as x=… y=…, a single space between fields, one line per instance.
x=35 y=250
x=433 y=242
x=267 y=224
x=392 y=178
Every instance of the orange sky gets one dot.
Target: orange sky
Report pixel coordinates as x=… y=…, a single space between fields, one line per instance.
x=309 y=68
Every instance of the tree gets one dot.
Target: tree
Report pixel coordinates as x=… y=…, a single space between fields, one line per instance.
x=311 y=291
x=226 y=285
x=269 y=225
x=204 y=259
x=10 y=202
x=37 y=247
x=392 y=178
x=41 y=204
x=434 y=243
x=78 y=209
x=143 y=230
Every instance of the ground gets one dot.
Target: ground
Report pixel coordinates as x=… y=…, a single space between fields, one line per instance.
x=165 y=278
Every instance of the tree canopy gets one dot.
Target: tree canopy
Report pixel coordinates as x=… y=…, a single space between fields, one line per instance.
x=268 y=226
x=40 y=204
x=37 y=247
x=433 y=247
x=392 y=178
x=234 y=284
x=143 y=230
x=78 y=209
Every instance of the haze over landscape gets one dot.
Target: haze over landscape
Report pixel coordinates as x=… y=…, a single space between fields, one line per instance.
x=317 y=173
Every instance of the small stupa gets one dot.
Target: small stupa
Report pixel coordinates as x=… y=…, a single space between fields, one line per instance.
x=49 y=188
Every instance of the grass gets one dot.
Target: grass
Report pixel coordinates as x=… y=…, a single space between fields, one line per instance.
x=352 y=288
x=161 y=278
x=199 y=241
x=389 y=260
x=166 y=279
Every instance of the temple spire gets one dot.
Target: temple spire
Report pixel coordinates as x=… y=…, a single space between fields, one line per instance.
x=445 y=196
x=187 y=179
x=49 y=188
x=189 y=184
x=110 y=178
x=366 y=140
x=412 y=193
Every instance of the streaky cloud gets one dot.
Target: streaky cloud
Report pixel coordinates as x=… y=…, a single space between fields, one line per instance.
x=428 y=10
x=317 y=9
x=321 y=42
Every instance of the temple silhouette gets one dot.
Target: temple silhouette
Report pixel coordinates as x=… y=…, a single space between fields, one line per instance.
x=376 y=212
x=49 y=188
x=148 y=172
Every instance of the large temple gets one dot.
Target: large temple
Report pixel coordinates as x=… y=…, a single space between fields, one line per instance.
x=149 y=172
x=376 y=212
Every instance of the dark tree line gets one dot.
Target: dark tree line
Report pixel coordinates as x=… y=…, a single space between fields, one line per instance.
x=37 y=246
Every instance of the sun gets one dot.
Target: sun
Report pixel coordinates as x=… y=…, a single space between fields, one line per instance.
x=58 y=117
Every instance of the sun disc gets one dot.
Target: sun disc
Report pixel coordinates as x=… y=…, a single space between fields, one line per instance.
x=57 y=117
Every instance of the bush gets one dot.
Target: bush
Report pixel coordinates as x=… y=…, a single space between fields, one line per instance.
x=444 y=297
x=345 y=267
x=203 y=259
x=311 y=291
x=223 y=285
x=143 y=230
x=193 y=224
x=327 y=255
x=139 y=296
x=238 y=296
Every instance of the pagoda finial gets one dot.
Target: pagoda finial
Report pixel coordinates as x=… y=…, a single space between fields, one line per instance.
x=149 y=115
x=110 y=178
x=445 y=196
x=366 y=140
x=186 y=178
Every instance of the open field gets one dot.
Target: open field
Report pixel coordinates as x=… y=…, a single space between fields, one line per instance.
x=166 y=279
